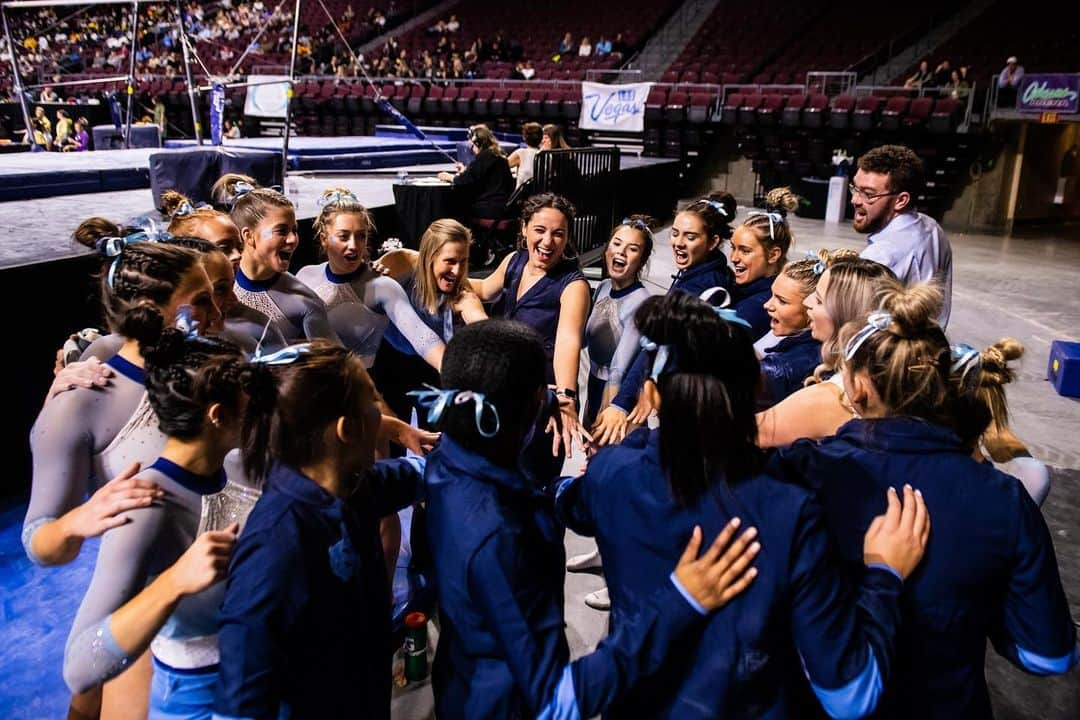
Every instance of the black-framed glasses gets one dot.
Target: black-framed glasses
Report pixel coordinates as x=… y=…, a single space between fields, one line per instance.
x=868 y=197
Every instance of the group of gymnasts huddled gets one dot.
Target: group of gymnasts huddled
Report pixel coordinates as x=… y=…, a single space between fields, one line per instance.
x=812 y=525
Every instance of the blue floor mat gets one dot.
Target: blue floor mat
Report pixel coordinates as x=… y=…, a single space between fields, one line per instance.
x=36 y=611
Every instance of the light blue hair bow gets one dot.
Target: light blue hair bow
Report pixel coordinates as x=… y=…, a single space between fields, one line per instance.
x=436 y=401
x=336 y=198
x=186 y=208
x=113 y=247
x=663 y=355
x=241 y=188
x=775 y=218
x=716 y=205
x=637 y=224
x=186 y=322
x=730 y=316
x=819 y=265
x=966 y=364
x=874 y=323
x=284 y=356
x=721 y=308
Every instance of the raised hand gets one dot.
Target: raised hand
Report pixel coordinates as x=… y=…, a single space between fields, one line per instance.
x=105 y=509
x=898 y=538
x=723 y=571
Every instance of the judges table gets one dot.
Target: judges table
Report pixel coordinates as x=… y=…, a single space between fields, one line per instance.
x=421 y=202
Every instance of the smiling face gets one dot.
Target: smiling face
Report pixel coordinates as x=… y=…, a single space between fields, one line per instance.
x=690 y=242
x=195 y=291
x=345 y=242
x=546 y=234
x=787 y=315
x=822 y=325
x=273 y=241
x=749 y=258
x=449 y=266
x=625 y=255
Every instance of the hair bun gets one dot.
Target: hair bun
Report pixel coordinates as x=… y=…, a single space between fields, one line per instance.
x=913 y=308
x=166 y=350
x=260 y=386
x=143 y=323
x=781 y=200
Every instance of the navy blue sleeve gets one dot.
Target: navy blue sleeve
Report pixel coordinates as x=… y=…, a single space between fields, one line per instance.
x=632 y=383
x=776 y=381
x=261 y=596
x=846 y=638
x=527 y=624
x=573 y=507
x=391 y=485
x=1036 y=632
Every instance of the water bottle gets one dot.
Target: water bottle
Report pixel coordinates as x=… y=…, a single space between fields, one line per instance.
x=415 y=646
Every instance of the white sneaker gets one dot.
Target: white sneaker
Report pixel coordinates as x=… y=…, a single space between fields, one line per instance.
x=585 y=562
x=599 y=600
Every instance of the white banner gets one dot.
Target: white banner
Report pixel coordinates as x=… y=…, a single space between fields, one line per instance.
x=267 y=101
x=613 y=107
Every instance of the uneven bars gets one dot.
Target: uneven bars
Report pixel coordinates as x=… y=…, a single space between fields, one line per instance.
x=284 y=81
x=68 y=83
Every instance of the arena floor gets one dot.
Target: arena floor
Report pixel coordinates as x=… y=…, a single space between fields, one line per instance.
x=1023 y=285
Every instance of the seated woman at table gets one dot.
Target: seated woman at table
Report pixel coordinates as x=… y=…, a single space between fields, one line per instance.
x=488 y=184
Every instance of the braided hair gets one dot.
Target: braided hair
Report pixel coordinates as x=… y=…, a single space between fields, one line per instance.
x=187 y=373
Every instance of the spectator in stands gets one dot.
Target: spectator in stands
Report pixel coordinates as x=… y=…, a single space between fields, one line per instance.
x=553 y=138
x=566 y=45
x=1012 y=74
x=452 y=24
x=619 y=46
x=957 y=87
x=234 y=130
x=603 y=47
x=585 y=48
x=910 y=243
x=49 y=95
x=524 y=70
x=522 y=158
x=942 y=74
x=921 y=77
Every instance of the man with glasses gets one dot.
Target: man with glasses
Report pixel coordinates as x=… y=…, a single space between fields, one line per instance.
x=910 y=243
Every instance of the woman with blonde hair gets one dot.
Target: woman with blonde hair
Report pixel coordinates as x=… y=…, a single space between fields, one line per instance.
x=436 y=282
x=990 y=573
x=360 y=303
x=849 y=289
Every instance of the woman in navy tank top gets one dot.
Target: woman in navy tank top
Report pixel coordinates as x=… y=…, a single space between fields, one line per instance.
x=542 y=286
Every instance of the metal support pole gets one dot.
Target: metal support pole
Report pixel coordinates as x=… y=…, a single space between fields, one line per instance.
x=131 y=71
x=195 y=119
x=289 y=91
x=17 y=79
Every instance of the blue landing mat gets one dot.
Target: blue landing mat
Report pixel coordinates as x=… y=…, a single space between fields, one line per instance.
x=36 y=611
